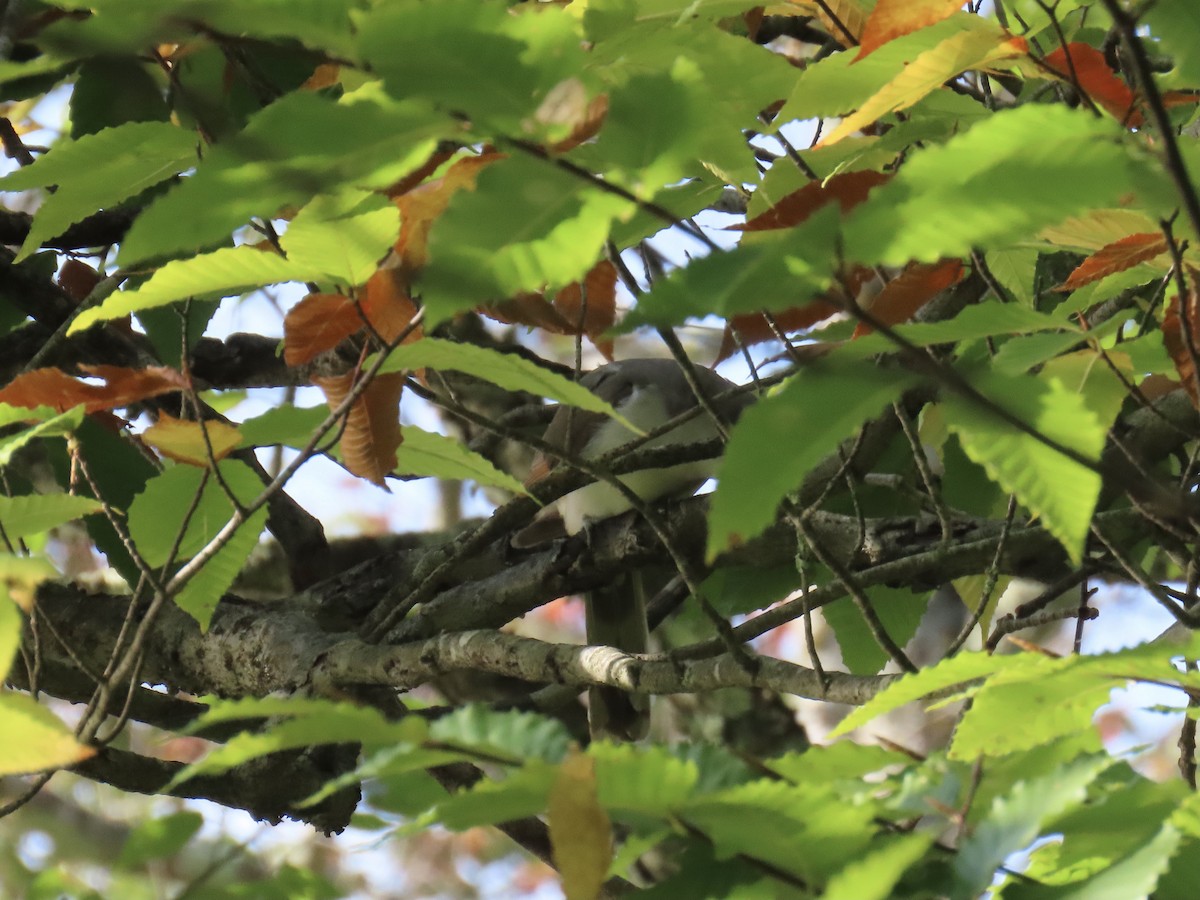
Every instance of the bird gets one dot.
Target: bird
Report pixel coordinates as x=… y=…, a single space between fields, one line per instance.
x=647 y=393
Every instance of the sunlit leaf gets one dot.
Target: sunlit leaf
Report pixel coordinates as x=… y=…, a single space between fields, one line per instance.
x=197 y=443
x=35 y=738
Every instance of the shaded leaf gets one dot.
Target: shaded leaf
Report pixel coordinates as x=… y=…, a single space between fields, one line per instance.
x=299 y=146
x=158 y=838
x=1017 y=819
x=98 y=171
x=824 y=403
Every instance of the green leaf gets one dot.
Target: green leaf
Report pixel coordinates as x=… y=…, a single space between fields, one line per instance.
x=978 y=321
x=222 y=273
x=770 y=274
x=111 y=92
x=840 y=83
x=1017 y=819
x=1016 y=270
x=823 y=403
x=502 y=66
x=308 y=721
x=432 y=455
x=523 y=793
x=1060 y=490
x=646 y=780
x=202 y=593
x=98 y=171
x=1014 y=173
x=874 y=876
x=509 y=371
x=289 y=426
x=294 y=149
x=843 y=761
x=51 y=425
x=898 y=610
x=804 y=829
x=957 y=670
x=1177 y=27
x=168 y=505
x=527 y=225
x=35 y=513
x=520 y=735
x=343 y=235
x=158 y=838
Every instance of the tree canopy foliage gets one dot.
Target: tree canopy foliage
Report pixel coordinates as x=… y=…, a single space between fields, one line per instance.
x=953 y=248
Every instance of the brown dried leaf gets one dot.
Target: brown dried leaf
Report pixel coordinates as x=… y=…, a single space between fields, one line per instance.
x=58 y=390
x=372 y=432
x=316 y=324
x=1116 y=257
x=910 y=290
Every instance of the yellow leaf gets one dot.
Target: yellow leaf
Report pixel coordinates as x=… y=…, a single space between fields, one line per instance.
x=969 y=50
x=183 y=441
x=20 y=576
x=842 y=19
x=580 y=832
x=1097 y=228
x=34 y=738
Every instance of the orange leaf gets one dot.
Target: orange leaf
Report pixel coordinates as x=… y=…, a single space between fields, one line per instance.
x=58 y=390
x=848 y=190
x=910 y=290
x=421 y=206
x=323 y=76
x=387 y=306
x=1093 y=76
x=316 y=324
x=891 y=19
x=1116 y=257
x=563 y=315
x=183 y=441
x=600 y=313
x=533 y=310
x=372 y=431
x=755 y=329
x=1176 y=341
